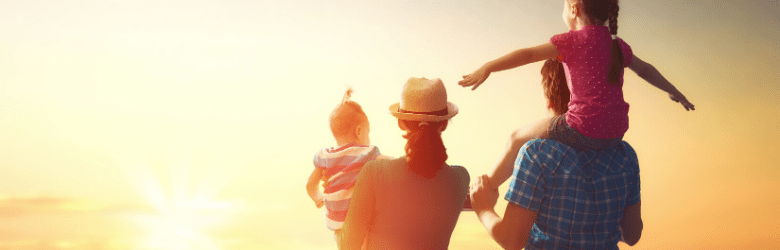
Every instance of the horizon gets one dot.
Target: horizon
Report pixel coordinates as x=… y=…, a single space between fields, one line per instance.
x=192 y=125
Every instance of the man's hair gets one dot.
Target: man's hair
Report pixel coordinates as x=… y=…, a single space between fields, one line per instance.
x=346 y=117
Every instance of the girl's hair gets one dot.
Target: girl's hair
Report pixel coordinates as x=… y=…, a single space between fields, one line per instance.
x=598 y=12
x=555 y=88
x=346 y=117
x=425 y=152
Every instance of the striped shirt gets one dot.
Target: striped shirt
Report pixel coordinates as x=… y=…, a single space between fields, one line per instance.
x=579 y=195
x=342 y=166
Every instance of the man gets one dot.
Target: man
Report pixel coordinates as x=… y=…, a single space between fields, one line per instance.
x=563 y=198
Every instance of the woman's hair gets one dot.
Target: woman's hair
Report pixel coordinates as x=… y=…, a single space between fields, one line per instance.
x=600 y=11
x=425 y=152
x=555 y=88
x=346 y=117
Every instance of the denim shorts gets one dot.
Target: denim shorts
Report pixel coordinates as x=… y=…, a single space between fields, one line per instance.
x=560 y=130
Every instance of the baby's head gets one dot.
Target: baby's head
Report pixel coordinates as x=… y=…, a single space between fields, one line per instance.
x=349 y=123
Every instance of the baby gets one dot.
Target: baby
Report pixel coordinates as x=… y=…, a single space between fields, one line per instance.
x=339 y=166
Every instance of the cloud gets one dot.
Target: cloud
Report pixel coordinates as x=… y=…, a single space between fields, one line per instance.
x=14 y=206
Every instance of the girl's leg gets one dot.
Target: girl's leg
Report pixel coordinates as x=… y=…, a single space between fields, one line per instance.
x=505 y=165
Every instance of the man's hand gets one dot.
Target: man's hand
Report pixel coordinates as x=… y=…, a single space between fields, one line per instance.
x=483 y=196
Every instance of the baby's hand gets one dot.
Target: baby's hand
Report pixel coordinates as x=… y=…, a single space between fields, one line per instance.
x=318 y=201
x=680 y=98
x=475 y=79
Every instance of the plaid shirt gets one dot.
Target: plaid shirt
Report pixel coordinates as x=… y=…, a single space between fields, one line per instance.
x=579 y=195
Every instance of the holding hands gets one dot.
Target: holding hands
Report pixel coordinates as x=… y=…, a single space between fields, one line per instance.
x=483 y=195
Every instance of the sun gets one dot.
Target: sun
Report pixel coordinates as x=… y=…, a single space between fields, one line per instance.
x=179 y=219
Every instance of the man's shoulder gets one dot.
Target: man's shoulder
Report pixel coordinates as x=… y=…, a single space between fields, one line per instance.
x=553 y=150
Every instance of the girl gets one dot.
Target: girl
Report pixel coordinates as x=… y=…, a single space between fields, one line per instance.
x=597 y=117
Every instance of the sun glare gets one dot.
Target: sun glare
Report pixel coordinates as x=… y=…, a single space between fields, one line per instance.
x=180 y=221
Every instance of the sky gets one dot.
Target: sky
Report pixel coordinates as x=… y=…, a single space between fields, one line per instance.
x=192 y=124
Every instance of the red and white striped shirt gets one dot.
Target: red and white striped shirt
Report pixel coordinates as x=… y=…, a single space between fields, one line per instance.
x=342 y=166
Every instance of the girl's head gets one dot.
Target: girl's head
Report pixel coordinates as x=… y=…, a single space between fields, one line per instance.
x=578 y=13
x=555 y=88
x=349 y=123
x=423 y=113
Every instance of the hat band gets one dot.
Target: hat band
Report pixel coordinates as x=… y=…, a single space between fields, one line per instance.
x=442 y=112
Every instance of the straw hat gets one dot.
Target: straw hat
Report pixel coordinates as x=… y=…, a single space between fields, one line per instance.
x=424 y=100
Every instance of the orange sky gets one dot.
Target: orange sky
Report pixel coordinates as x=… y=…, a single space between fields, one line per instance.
x=191 y=124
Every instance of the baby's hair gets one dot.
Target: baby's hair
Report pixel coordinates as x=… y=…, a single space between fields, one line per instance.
x=599 y=12
x=346 y=117
x=555 y=88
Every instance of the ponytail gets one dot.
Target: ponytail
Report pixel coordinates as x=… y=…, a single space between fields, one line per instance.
x=555 y=88
x=616 y=70
x=425 y=152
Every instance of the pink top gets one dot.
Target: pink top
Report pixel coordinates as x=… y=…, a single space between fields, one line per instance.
x=596 y=109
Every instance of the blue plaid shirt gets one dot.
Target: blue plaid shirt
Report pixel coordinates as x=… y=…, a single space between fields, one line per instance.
x=579 y=195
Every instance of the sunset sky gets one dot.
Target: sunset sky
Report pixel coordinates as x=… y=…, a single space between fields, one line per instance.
x=178 y=125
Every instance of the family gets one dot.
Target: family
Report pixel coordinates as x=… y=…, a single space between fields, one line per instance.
x=574 y=181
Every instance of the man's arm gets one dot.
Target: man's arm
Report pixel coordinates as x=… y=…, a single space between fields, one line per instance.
x=513 y=230
x=631 y=224
x=312 y=189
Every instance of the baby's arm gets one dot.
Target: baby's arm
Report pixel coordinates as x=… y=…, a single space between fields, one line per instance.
x=652 y=76
x=312 y=189
x=512 y=60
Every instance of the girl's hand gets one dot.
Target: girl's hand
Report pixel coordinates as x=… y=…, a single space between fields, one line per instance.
x=475 y=79
x=680 y=98
x=483 y=196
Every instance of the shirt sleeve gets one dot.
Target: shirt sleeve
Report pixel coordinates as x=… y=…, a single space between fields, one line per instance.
x=628 y=54
x=634 y=186
x=563 y=43
x=317 y=161
x=527 y=186
x=361 y=208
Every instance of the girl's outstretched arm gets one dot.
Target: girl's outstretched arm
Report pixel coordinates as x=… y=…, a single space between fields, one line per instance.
x=652 y=76
x=514 y=59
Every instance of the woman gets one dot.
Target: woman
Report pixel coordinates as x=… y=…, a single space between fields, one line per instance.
x=564 y=198
x=411 y=202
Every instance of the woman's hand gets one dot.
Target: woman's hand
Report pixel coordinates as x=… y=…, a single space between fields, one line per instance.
x=475 y=79
x=680 y=98
x=483 y=196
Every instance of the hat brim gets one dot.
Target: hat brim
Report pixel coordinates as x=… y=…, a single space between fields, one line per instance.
x=452 y=110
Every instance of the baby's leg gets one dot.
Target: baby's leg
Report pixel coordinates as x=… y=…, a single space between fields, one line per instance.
x=505 y=165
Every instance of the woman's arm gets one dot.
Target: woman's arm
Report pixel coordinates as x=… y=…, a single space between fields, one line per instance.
x=312 y=189
x=360 y=213
x=652 y=76
x=514 y=59
x=631 y=225
x=513 y=230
